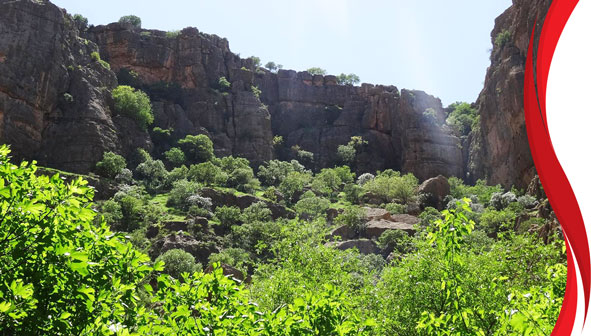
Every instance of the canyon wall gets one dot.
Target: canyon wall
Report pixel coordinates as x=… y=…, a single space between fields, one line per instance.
x=56 y=107
x=499 y=149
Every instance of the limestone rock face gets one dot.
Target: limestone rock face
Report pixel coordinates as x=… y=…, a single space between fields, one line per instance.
x=53 y=96
x=312 y=112
x=192 y=64
x=499 y=150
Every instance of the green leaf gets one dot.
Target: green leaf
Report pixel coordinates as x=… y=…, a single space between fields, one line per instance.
x=4 y=306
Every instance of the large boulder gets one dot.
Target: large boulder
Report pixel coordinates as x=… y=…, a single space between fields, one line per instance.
x=376 y=227
x=365 y=246
x=433 y=191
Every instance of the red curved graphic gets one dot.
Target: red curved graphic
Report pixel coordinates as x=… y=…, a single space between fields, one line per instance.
x=552 y=176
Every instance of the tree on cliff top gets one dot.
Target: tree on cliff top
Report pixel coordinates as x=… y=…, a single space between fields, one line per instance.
x=131 y=19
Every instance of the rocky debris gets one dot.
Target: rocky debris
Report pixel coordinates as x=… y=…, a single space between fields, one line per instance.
x=230 y=271
x=499 y=149
x=376 y=227
x=405 y=218
x=103 y=188
x=365 y=246
x=220 y=198
x=198 y=249
x=433 y=191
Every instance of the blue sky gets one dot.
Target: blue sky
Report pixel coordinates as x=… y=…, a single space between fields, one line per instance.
x=441 y=47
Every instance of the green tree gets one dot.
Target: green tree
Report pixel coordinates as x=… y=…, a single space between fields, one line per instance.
x=175 y=156
x=111 y=165
x=316 y=71
x=61 y=272
x=131 y=19
x=134 y=104
x=176 y=262
x=350 y=79
x=197 y=147
x=462 y=117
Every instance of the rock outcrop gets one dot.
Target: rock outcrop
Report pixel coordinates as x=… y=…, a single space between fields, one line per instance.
x=55 y=102
x=499 y=149
x=53 y=97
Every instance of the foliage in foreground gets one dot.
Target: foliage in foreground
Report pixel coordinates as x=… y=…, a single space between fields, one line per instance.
x=63 y=272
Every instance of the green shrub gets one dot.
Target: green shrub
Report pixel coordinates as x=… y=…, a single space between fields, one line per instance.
x=481 y=190
x=153 y=174
x=256 y=91
x=316 y=71
x=173 y=33
x=96 y=57
x=235 y=257
x=206 y=173
x=61 y=272
x=228 y=216
x=294 y=182
x=350 y=79
x=391 y=186
x=353 y=217
x=111 y=165
x=176 y=174
x=396 y=241
x=395 y=208
x=328 y=182
x=81 y=22
x=256 y=212
x=312 y=207
x=131 y=19
x=180 y=192
x=134 y=104
x=177 y=262
x=461 y=118
x=197 y=147
x=273 y=172
x=503 y=38
x=175 y=156
x=224 y=84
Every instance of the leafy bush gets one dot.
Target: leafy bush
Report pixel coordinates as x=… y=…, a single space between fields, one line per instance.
x=316 y=71
x=197 y=147
x=273 y=172
x=175 y=156
x=81 y=22
x=131 y=19
x=502 y=38
x=96 y=57
x=327 y=182
x=462 y=117
x=61 y=272
x=153 y=174
x=228 y=216
x=312 y=207
x=294 y=182
x=364 y=178
x=481 y=190
x=431 y=116
x=177 y=262
x=134 y=104
x=256 y=212
x=180 y=192
x=395 y=241
x=256 y=91
x=111 y=165
x=352 y=217
x=391 y=186
x=224 y=84
x=235 y=257
x=350 y=79
x=395 y=208
x=176 y=174
x=125 y=176
x=173 y=33
x=206 y=173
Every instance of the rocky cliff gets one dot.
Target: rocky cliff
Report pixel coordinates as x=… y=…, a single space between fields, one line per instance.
x=499 y=149
x=55 y=103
